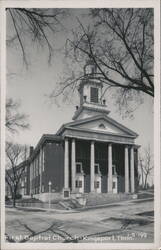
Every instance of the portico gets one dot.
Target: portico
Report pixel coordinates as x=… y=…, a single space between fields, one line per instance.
x=101 y=177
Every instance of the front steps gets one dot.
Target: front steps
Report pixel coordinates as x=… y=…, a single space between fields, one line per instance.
x=70 y=204
x=94 y=199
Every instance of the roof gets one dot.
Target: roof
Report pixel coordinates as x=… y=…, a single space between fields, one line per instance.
x=98 y=109
x=43 y=139
x=94 y=118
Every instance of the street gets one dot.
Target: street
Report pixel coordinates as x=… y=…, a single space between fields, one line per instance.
x=128 y=221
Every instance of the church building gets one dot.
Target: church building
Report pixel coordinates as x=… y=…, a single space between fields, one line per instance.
x=92 y=153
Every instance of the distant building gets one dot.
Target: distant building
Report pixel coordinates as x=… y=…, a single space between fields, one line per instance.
x=93 y=153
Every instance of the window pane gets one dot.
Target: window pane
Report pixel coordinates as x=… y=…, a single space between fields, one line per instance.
x=94 y=95
x=80 y=184
x=78 y=168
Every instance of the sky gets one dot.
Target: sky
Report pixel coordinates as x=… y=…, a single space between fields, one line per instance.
x=33 y=85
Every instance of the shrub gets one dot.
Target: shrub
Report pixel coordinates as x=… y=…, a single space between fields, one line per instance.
x=18 y=196
x=30 y=200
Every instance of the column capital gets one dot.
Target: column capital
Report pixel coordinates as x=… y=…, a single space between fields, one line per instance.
x=66 y=140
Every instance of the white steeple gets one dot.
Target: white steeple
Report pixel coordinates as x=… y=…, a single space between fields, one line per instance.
x=90 y=91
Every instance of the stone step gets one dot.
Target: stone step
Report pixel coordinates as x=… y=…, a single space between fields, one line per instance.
x=70 y=204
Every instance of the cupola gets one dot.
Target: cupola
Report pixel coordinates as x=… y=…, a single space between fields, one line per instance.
x=90 y=92
x=90 y=89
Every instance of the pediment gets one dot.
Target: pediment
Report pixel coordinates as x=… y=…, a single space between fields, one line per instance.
x=102 y=124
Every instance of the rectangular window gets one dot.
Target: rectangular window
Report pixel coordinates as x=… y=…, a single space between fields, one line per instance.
x=79 y=168
x=114 y=185
x=80 y=184
x=94 y=94
x=97 y=169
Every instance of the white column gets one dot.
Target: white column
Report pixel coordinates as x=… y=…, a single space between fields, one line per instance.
x=73 y=164
x=92 y=170
x=66 y=164
x=109 y=168
x=132 y=169
x=126 y=170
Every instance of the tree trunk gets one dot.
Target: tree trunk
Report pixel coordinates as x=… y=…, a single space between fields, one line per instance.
x=14 y=197
x=14 y=202
x=145 y=184
x=142 y=177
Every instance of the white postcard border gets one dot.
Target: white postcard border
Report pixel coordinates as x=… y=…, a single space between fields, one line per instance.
x=157 y=203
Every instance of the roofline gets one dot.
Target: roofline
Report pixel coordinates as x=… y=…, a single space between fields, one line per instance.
x=100 y=132
x=42 y=140
x=96 y=118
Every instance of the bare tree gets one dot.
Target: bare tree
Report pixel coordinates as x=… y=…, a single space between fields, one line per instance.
x=146 y=166
x=14 y=119
x=14 y=154
x=35 y=24
x=119 y=42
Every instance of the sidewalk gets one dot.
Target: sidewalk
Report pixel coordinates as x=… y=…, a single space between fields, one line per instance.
x=77 y=210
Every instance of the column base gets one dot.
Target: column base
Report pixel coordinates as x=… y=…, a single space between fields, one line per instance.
x=66 y=193
x=134 y=196
x=92 y=192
